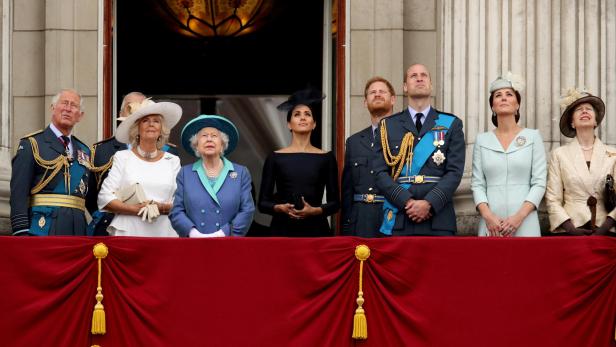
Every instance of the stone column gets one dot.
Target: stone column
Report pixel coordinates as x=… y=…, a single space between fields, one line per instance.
x=5 y=127
x=553 y=44
x=377 y=48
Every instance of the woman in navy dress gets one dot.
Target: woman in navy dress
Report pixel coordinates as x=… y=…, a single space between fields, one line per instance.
x=296 y=177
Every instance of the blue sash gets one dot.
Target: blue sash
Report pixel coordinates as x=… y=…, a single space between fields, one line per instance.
x=422 y=152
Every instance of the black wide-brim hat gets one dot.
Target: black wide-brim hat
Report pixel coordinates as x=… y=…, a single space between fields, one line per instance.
x=308 y=97
x=572 y=100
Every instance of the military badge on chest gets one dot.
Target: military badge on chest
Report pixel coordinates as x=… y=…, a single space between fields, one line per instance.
x=84 y=159
x=438 y=133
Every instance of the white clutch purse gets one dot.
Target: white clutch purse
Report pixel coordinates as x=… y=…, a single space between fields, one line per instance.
x=132 y=194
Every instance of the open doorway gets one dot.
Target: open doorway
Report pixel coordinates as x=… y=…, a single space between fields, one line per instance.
x=242 y=77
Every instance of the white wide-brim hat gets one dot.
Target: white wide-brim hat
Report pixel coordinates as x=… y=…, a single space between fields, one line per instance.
x=171 y=113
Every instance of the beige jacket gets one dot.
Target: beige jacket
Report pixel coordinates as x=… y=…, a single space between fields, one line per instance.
x=570 y=183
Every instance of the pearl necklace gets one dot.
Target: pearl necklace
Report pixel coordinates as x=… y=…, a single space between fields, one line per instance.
x=213 y=172
x=587 y=149
x=147 y=155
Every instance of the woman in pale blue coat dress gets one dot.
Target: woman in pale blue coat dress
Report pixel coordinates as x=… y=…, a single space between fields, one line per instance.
x=509 y=168
x=213 y=196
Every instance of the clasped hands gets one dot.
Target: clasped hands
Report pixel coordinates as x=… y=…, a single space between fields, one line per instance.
x=503 y=227
x=604 y=230
x=418 y=210
x=293 y=213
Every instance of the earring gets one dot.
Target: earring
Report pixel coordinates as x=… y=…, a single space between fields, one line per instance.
x=572 y=126
x=159 y=138
x=138 y=138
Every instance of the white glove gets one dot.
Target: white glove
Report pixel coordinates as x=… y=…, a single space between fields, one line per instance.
x=219 y=233
x=194 y=233
x=149 y=212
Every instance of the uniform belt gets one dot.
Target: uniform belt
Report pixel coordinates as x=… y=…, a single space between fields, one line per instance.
x=58 y=200
x=418 y=179
x=368 y=198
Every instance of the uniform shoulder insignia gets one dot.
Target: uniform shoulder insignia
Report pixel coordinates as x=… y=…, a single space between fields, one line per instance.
x=32 y=134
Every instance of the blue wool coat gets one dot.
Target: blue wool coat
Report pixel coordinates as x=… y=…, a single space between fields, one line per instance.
x=230 y=209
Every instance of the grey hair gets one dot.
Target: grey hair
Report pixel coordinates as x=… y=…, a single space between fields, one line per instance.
x=133 y=133
x=194 y=139
x=123 y=105
x=54 y=99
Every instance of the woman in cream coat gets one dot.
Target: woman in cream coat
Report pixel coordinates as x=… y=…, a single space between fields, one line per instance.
x=509 y=168
x=577 y=171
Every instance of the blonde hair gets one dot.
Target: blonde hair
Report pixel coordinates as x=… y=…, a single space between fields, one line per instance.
x=133 y=133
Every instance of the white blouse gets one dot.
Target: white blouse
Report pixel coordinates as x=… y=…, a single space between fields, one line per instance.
x=158 y=182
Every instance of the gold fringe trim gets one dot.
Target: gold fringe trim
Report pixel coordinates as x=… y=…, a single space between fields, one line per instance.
x=55 y=165
x=98 y=317
x=404 y=156
x=98 y=171
x=360 y=325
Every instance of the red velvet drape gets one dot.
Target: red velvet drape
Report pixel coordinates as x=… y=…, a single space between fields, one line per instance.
x=301 y=292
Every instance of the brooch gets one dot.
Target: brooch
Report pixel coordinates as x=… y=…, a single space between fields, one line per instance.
x=520 y=141
x=438 y=157
x=233 y=175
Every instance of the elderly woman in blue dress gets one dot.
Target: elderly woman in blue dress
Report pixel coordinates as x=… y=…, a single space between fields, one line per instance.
x=213 y=196
x=509 y=167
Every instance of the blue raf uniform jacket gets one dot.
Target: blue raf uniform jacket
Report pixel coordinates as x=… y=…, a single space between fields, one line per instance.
x=439 y=194
x=230 y=209
x=27 y=173
x=361 y=218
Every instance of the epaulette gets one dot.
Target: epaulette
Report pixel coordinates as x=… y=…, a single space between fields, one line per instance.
x=32 y=134
x=172 y=145
x=103 y=141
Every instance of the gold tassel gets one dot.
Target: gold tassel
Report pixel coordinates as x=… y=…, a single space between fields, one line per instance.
x=98 y=317
x=360 y=325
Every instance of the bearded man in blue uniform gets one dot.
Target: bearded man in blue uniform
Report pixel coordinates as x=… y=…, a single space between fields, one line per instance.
x=49 y=179
x=421 y=164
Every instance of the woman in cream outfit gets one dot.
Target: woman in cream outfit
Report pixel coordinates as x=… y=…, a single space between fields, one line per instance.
x=509 y=168
x=577 y=171
x=146 y=130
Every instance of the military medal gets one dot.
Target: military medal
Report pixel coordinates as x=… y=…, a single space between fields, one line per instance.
x=41 y=222
x=438 y=157
x=439 y=136
x=520 y=141
x=82 y=187
x=83 y=159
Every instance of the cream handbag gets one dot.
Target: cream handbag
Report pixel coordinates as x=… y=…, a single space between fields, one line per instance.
x=135 y=195
x=132 y=194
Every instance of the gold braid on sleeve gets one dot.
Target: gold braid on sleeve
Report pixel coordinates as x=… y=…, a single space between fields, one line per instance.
x=404 y=156
x=98 y=171
x=55 y=165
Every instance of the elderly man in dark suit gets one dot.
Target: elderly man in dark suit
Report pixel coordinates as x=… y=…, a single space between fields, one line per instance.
x=49 y=180
x=421 y=165
x=102 y=154
x=362 y=203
